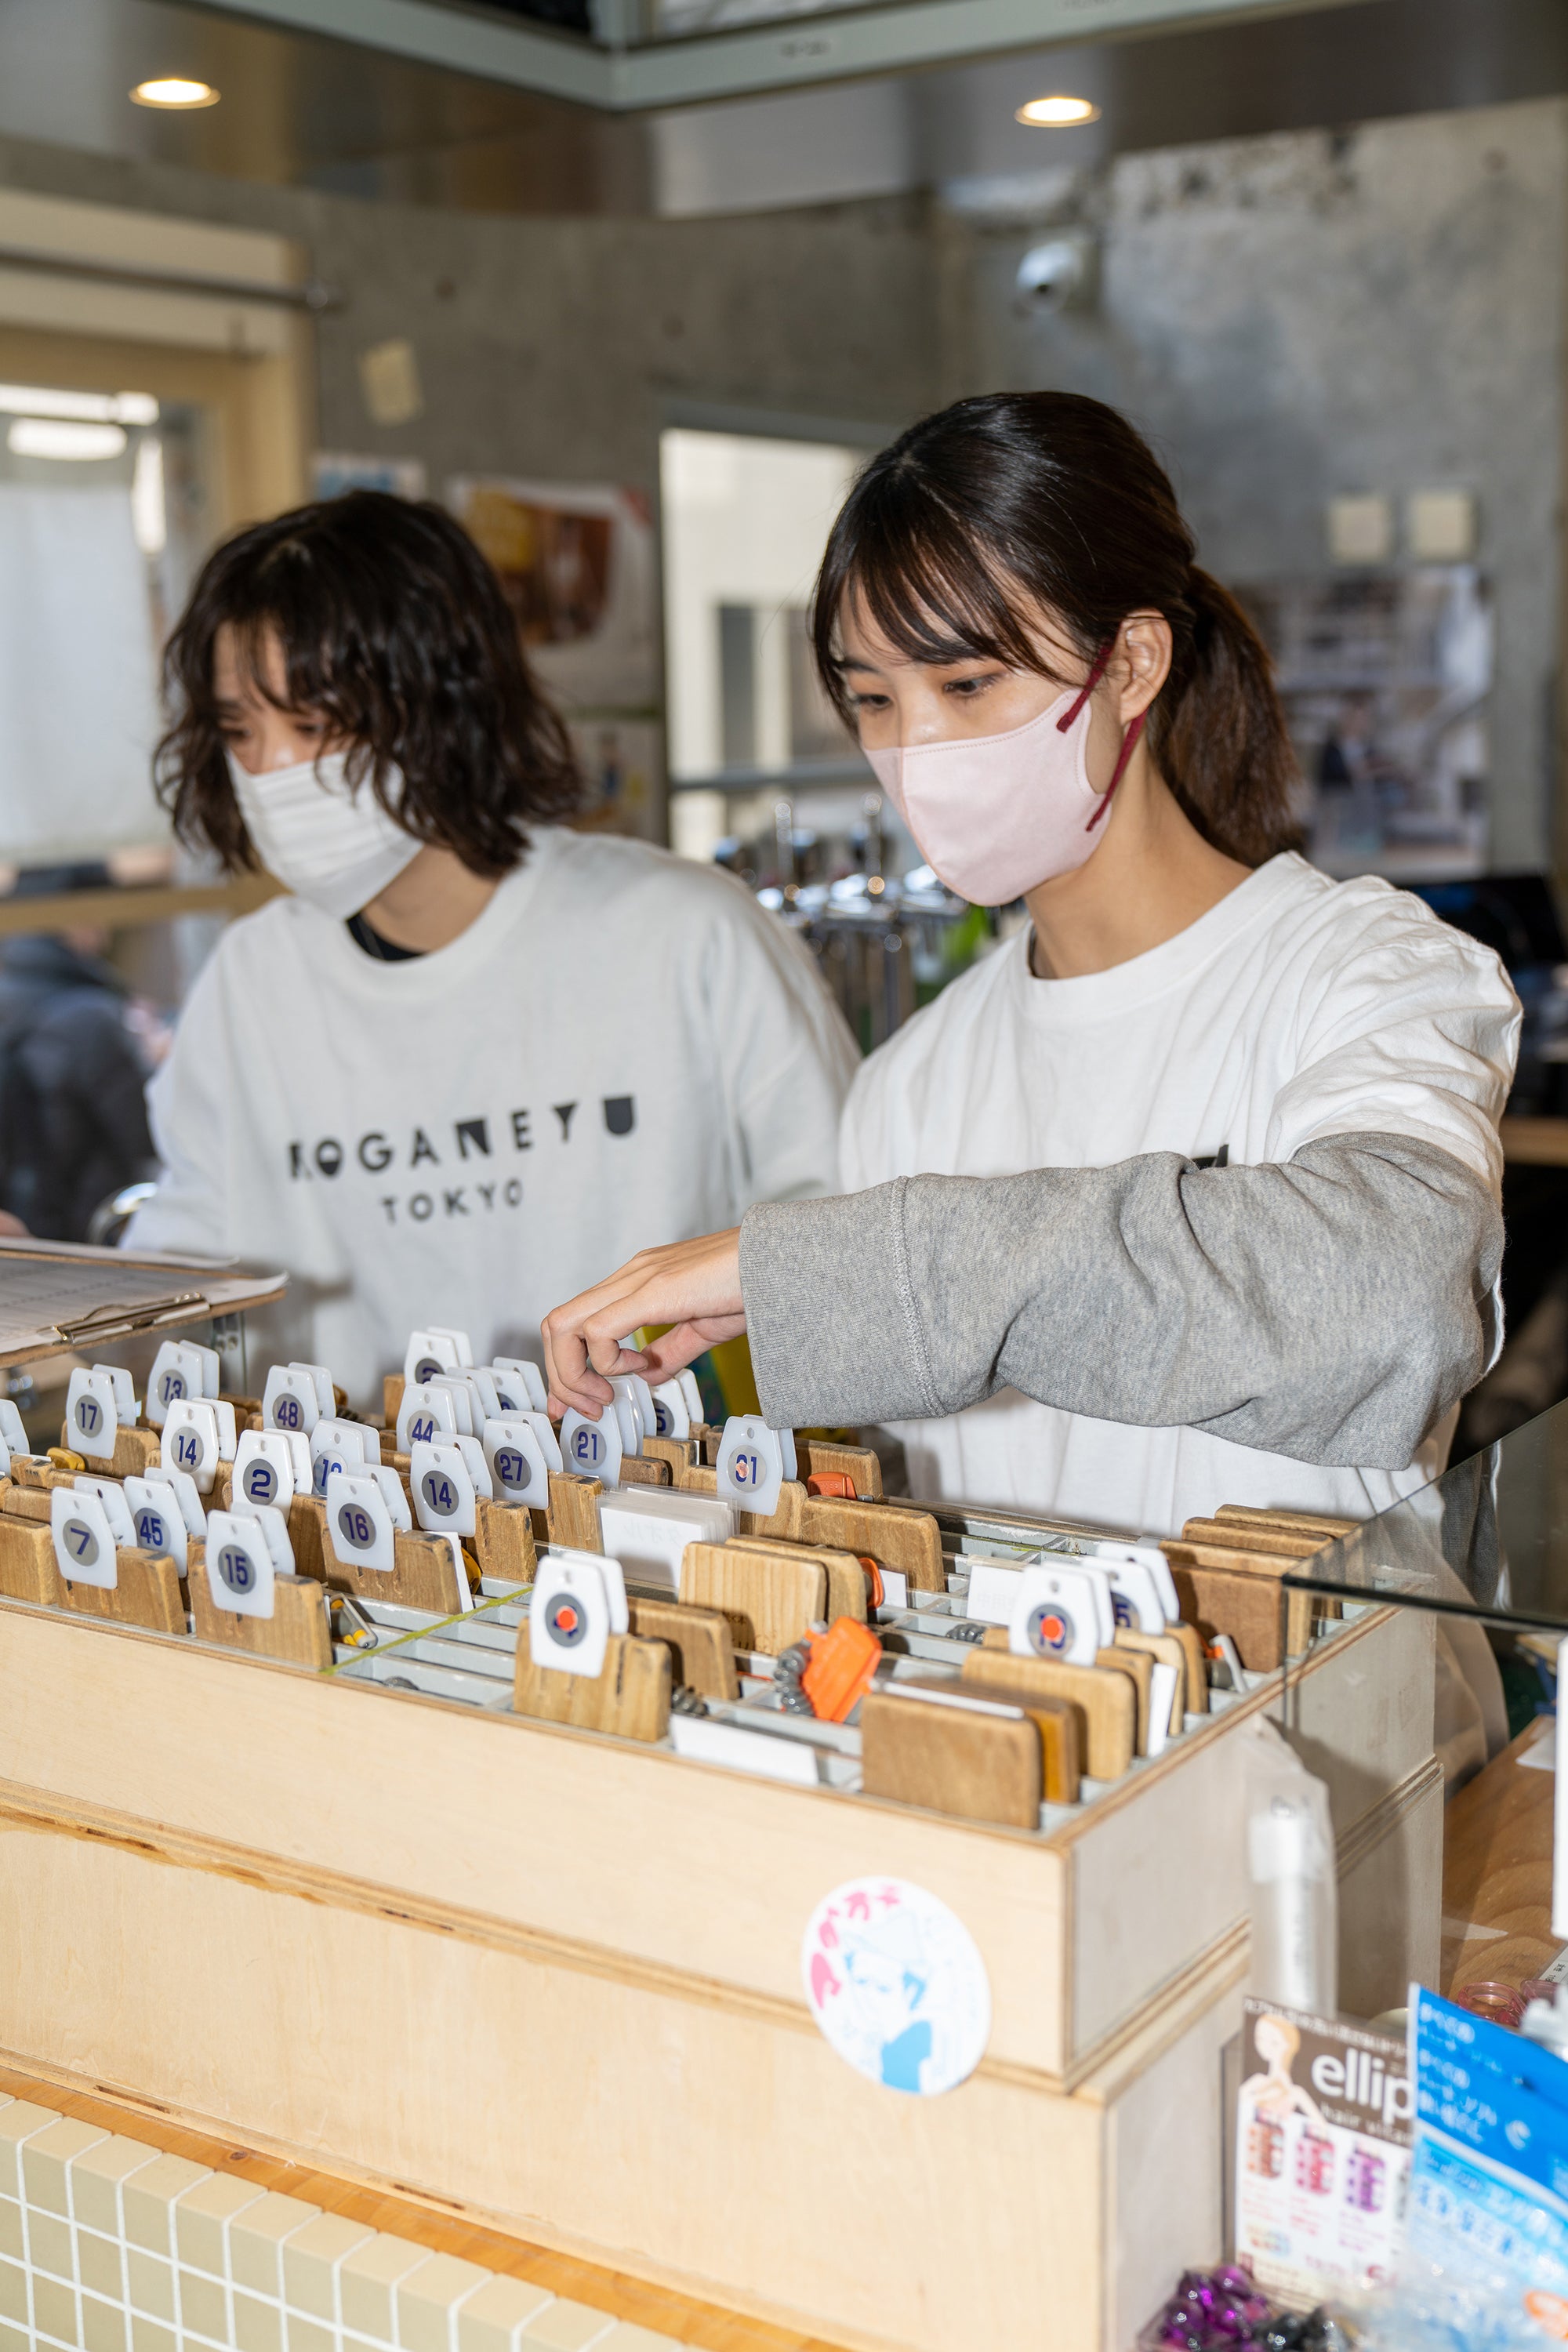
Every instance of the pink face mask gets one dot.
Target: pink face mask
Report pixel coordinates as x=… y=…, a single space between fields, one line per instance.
x=997 y=814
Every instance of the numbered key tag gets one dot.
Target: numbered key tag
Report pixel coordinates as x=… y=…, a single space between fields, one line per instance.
x=156 y=1521
x=321 y=1379
x=429 y=1353
x=457 y=1389
x=288 y=1401
x=13 y=1436
x=750 y=1464
x=191 y=1441
x=535 y=1395
x=209 y=1363
x=182 y=1487
x=111 y=1492
x=628 y=1415
x=442 y=1490
x=239 y=1566
x=91 y=1416
x=124 y=1387
x=459 y=1340
x=177 y=1372
x=569 y=1614
x=786 y=1445
x=693 y=1395
x=83 y=1539
x=361 y=1523
x=264 y=1470
x=394 y=1496
x=336 y=1447
x=478 y=1468
x=1134 y=1594
x=426 y=1414
x=1151 y=1557
x=593 y=1448
x=670 y=1416
x=516 y=1461
x=486 y=1395
x=1062 y=1613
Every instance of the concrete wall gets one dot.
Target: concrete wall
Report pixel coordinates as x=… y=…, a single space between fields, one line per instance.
x=1293 y=317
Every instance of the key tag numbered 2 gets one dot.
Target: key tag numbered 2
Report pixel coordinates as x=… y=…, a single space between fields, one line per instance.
x=1064 y=1613
x=83 y=1539
x=516 y=1461
x=593 y=1448
x=535 y=1395
x=288 y=1401
x=426 y=1414
x=158 y=1521
x=92 y=1416
x=751 y=1464
x=443 y=1489
x=240 y=1571
x=268 y=1468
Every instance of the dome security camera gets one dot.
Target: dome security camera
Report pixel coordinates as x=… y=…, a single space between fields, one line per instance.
x=1062 y=273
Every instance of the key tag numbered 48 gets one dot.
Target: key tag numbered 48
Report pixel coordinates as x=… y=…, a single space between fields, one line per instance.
x=593 y=1448
x=83 y=1539
x=443 y=1489
x=1064 y=1613
x=92 y=1415
x=240 y=1570
x=270 y=1468
x=751 y=1464
x=426 y=1414
x=517 y=1460
x=289 y=1401
x=158 y=1520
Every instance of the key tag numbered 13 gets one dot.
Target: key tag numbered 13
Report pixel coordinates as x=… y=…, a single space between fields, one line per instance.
x=751 y=1464
x=443 y=1502
x=83 y=1539
x=158 y=1520
x=197 y=1435
x=517 y=1460
x=92 y=1415
x=240 y=1570
x=593 y=1448
x=1064 y=1613
x=520 y=1371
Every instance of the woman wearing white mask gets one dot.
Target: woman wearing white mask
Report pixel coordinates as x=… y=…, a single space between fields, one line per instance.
x=475 y=1053
x=1188 y=1194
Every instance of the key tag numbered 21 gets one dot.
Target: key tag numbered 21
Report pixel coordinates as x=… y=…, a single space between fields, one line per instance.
x=753 y=1465
x=593 y=1448
x=1064 y=1613
x=83 y=1539
x=92 y=1415
x=240 y=1570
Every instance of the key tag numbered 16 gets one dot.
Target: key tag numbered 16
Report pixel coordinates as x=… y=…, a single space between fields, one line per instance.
x=1064 y=1613
x=751 y=1464
x=535 y=1396
x=240 y=1571
x=92 y=1415
x=158 y=1521
x=288 y=1401
x=270 y=1468
x=426 y=1414
x=593 y=1448
x=83 y=1539
x=360 y=1522
x=517 y=1463
x=197 y=1435
x=444 y=1501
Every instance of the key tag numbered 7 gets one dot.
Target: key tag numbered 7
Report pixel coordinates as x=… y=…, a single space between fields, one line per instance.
x=83 y=1539
x=240 y=1570
x=593 y=1448
x=158 y=1520
x=751 y=1464
x=1065 y=1613
x=92 y=1415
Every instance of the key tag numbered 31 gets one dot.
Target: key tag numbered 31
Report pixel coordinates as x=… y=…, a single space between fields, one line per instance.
x=426 y=1414
x=443 y=1502
x=83 y=1539
x=751 y=1464
x=158 y=1521
x=240 y=1571
x=270 y=1468
x=517 y=1460
x=1064 y=1613
x=92 y=1415
x=536 y=1397
x=593 y=1448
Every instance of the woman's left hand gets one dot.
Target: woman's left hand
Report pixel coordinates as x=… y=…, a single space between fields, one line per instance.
x=694 y=1287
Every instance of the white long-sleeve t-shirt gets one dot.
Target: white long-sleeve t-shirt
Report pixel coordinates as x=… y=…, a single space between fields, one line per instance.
x=622 y=1050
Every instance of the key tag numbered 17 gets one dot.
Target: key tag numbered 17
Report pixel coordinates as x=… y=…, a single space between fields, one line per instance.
x=288 y=1401
x=535 y=1395
x=240 y=1571
x=443 y=1489
x=158 y=1521
x=426 y=1414
x=751 y=1464
x=517 y=1463
x=197 y=1435
x=1064 y=1613
x=593 y=1448
x=92 y=1416
x=83 y=1539
x=270 y=1468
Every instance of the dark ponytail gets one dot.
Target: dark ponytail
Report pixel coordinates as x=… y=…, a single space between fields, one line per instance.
x=954 y=538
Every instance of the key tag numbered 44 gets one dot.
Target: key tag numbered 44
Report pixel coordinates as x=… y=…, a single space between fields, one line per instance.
x=270 y=1468
x=426 y=1414
x=83 y=1539
x=753 y=1464
x=240 y=1570
x=593 y=1448
x=1064 y=1613
x=157 y=1520
x=92 y=1415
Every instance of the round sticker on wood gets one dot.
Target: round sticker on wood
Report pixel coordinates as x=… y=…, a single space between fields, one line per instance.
x=896 y=1984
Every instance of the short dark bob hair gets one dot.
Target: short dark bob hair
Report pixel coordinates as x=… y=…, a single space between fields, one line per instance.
x=976 y=521
x=396 y=632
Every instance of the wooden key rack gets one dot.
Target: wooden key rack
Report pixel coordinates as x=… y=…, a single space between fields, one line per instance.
x=148 y=1591
x=1106 y=1705
x=630 y=1696
x=701 y=1647
x=770 y=1596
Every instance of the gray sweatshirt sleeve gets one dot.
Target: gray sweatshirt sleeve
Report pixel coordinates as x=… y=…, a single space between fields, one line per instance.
x=1330 y=1308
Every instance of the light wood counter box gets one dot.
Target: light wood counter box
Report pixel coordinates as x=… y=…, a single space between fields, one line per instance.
x=551 y=1980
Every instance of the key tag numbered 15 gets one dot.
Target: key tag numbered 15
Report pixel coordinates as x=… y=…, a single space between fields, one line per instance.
x=751 y=1464
x=426 y=1414
x=671 y=1417
x=158 y=1521
x=83 y=1539
x=535 y=1395
x=517 y=1463
x=240 y=1571
x=288 y=1401
x=1064 y=1613
x=593 y=1448
x=197 y=1435
x=92 y=1416
x=443 y=1489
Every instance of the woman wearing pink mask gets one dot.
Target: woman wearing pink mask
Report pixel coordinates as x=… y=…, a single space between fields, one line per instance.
x=1189 y=1194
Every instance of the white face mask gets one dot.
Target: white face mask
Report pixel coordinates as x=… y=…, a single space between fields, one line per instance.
x=324 y=841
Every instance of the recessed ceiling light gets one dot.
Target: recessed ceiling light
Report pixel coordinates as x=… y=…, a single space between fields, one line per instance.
x=53 y=436
x=173 y=90
x=1058 y=111
x=93 y=407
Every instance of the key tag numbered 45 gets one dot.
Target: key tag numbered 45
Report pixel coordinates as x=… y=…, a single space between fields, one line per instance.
x=240 y=1569
x=1064 y=1613
x=92 y=1415
x=83 y=1539
x=426 y=1414
x=753 y=1465
x=593 y=1448
x=270 y=1468
x=158 y=1521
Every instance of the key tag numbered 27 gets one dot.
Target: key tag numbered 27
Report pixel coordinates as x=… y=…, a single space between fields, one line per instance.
x=158 y=1521
x=426 y=1414
x=83 y=1539
x=240 y=1571
x=1064 y=1613
x=593 y=1448
x=751 y=1464
x=92 y=1416
x=516 y=1461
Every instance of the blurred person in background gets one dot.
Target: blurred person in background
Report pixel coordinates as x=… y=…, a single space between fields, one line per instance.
x=75 y=1055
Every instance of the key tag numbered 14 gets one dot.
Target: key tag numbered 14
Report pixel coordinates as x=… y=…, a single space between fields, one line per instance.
x=158 y=1520
x=197 y=1435
x=753 y=1464
x=593 y=1448
x=92 y=1415
x=444 y=1493
x=517 y=1464
x=240 y=1571
x=426 y=1414
x=83 y=1539
x=270 y=1468
x=1065 y=1613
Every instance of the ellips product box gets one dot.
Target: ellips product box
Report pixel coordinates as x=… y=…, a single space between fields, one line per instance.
x=1322 y=2152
